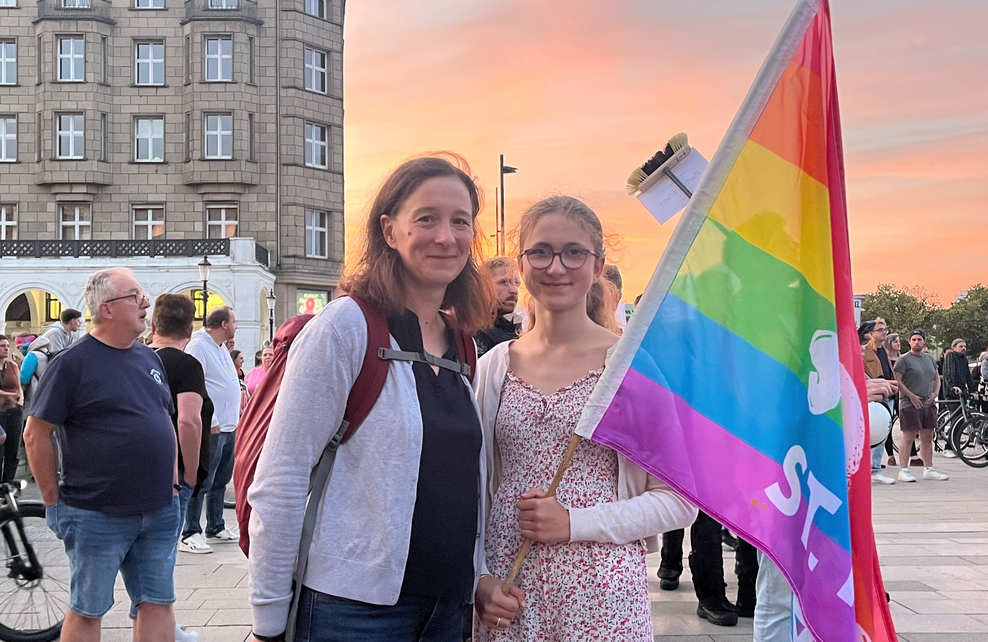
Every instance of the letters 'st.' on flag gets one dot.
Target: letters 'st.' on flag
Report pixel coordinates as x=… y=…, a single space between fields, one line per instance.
x=739 y=379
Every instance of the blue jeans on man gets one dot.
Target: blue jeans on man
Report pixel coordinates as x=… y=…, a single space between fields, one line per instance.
x=213 y=489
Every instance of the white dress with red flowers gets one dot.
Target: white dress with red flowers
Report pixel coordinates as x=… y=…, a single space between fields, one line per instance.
x=579 y=591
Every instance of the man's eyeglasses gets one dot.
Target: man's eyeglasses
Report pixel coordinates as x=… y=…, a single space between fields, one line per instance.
x=572 y=258
x=138 y=298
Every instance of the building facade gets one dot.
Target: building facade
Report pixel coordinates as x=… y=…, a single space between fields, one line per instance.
x=149 y=133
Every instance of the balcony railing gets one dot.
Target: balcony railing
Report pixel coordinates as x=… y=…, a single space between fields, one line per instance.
x=220 y=10
x=114 y=249
x=75 y=9
x=261 y=255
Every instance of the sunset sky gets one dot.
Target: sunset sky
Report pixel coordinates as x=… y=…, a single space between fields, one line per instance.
x=577 y=93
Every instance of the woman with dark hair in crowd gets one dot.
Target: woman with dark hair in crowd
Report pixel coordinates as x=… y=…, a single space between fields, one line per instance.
x=398 y=542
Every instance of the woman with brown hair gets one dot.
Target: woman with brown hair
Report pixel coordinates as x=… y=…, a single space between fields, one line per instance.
x=398 y=540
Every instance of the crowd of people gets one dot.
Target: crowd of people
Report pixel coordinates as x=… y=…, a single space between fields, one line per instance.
x=428 y=504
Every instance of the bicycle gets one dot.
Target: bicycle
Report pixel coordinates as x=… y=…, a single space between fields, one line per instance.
x=947 y=423
x=970 y=440
x=34 y=586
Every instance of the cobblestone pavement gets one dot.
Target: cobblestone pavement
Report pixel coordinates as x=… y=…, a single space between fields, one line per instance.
x=932 y=540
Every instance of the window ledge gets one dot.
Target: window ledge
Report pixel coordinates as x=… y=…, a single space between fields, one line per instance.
x=140 y=162
x=135 y=85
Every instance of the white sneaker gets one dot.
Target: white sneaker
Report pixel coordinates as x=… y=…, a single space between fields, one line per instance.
x=183 y=634
x=882 y=479
x=949 y=454
x=906 y=476
x=225 y=535
x=934 y=475
x=195 y=544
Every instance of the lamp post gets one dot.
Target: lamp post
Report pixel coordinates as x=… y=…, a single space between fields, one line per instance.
x=505 y=169
x=271 y=300
x=204 y=268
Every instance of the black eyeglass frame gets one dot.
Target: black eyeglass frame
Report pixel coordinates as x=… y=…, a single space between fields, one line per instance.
x=582 y=251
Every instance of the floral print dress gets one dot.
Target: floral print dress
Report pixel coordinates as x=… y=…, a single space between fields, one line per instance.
x=577 y=591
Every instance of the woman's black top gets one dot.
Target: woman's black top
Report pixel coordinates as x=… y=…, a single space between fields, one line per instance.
x=444 y=522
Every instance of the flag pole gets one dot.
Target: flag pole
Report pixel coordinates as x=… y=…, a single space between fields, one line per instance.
x=551 y=492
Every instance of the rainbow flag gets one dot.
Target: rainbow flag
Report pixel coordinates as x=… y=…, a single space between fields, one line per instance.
x=739 y=379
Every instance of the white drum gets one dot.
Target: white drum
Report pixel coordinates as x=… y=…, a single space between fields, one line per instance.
x=880 y=420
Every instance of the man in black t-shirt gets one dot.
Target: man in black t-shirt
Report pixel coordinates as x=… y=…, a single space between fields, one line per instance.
x=116 y=505
x=171 y=328
x=503 y=272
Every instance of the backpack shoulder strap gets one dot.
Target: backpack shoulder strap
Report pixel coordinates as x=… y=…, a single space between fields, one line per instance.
x=373 y=372
x=467 y=350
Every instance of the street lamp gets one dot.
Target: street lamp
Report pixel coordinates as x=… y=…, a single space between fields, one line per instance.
x=271 y=300
x=204 y=268
x=505 y=169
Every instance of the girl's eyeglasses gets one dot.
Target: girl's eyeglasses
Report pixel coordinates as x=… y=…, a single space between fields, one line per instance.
x=572 y=258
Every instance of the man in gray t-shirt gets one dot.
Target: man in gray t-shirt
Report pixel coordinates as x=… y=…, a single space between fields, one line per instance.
x=919 y=384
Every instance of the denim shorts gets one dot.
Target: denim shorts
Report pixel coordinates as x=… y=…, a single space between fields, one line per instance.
x=140 y=547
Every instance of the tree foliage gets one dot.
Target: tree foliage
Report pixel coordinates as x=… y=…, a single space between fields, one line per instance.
x=968 y=319
x=905 y=308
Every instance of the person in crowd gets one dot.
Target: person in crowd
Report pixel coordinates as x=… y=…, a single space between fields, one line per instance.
x=230 y=344
x=919 y=385
x=60 y=335
x=957 y=378
x=587 y=570
x=115 y=505
x=613 y=274
x=171 y=329
x=773 y=609
x=421 y=443
x=503 y=272
x=983 y=385
x=11 y=411
x=256 y=375
x=223 y=388
x=238 y=363
x=893 y=347
x=877 y=365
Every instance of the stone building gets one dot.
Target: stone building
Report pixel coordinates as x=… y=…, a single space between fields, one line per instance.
x=149 y=133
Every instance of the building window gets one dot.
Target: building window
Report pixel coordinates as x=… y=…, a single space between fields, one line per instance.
x=104 y=134
x=39 y=136
x=316 y=234
x=315 y=70
x=76 y=222
x=8 y=62
x=219 y=59
x=149 y=222
x=149 y=4
x=105 y=61
x=250 y=137
x=53 y=308
x=149 y=63
x=221 y=222
x=8 y=3
x=188 y=59
x=224 y=4
x=250 y=59
x=71 y=59
x=219 y=135
x=316 y=145
x=76 y=4
x=316 y=8
x=149 y=140
x=8 y=139
x=8 y=222
x=71 y=135
x=38 y=53
x=188 y=135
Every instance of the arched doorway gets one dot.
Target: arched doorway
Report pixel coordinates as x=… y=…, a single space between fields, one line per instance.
x=31 y=312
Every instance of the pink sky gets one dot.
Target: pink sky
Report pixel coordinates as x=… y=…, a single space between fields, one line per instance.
x=577 y=93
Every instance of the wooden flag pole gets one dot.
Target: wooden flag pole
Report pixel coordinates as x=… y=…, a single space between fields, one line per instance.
x=551 y=492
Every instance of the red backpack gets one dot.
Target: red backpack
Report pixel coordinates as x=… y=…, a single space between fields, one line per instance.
x=253 y=426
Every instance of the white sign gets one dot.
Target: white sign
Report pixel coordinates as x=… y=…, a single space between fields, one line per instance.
x=659 y=192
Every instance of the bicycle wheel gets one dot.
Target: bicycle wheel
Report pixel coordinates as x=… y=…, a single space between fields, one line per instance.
x=896 y=432
x=33 y=601
x=970 y=441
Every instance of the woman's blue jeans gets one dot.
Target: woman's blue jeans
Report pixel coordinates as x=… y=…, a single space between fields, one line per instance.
x=326 y=618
